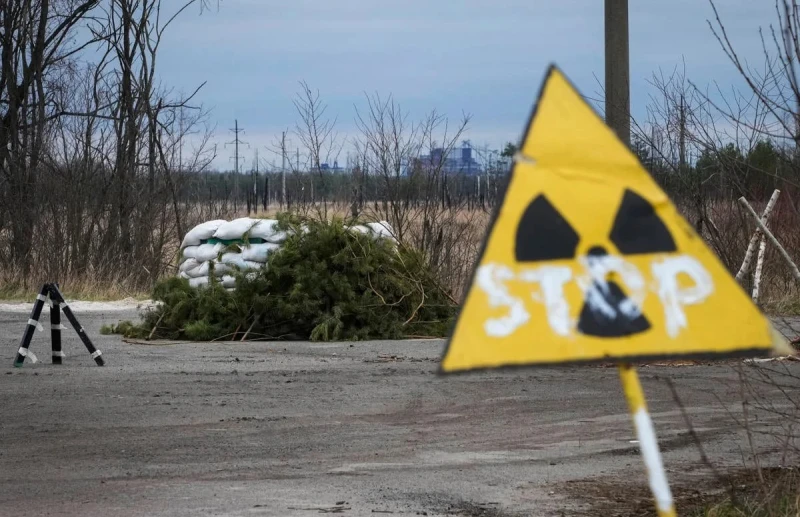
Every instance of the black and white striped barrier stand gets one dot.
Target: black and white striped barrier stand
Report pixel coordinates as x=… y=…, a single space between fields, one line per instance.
x=56 y=299
x=55 y=330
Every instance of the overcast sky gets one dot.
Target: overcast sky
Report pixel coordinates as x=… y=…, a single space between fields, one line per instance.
x=485 y=58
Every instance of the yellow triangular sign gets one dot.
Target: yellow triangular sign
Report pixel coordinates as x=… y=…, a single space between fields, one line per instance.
x=587 y=259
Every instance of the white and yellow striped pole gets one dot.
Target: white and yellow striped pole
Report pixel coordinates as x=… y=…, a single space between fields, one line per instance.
x=648 y=443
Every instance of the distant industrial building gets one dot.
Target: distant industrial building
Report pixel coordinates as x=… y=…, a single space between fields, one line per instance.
x=457 y=160
x=464 y=159
x=335 y=168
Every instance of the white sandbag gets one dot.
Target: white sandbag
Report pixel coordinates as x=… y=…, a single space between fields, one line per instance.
x=213 y=268
x=228 y=281
x=278 y=238
x=201 y=270
x=189 y=252
x=267 y=229
x=273 y=234
x=382 y=229
x=199 y=281
x=201 y=232
x=253 y=266
x=236 y=260
x=188 y=264
x=259 y=252
x=361 y=229
x=206 y=252
x=232 y=259
x=235 y=229
x=263 y=229
x=183 y=275
x=220 y=269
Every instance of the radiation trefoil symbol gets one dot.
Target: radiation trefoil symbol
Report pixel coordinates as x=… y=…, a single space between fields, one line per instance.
x=545 y=235
x=587 y=259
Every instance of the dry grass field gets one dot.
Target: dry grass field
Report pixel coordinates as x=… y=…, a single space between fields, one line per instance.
x=452 y=239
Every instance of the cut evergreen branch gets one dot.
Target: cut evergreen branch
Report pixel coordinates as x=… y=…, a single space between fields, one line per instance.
x=326 y=283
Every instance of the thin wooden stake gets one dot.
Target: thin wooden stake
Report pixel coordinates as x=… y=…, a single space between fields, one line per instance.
x=762 y=249
x=772 y=239
x=751 y=246
x=648 y=443
x=150 y=336
x=248 y=330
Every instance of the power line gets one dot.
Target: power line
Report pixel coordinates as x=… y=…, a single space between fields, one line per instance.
x=236 y=142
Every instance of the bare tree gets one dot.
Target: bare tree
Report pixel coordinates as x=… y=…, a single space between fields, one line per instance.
x=317 y=134
x=413 y=193
x=776 y=84
x=37 y=42
x=88 y=142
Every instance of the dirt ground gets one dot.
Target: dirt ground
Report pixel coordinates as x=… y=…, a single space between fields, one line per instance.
x=285 y=429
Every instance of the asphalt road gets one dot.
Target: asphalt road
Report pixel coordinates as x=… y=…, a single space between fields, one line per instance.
x=287 y=429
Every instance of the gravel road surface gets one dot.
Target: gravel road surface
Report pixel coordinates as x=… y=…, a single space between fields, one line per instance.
x=361 y=429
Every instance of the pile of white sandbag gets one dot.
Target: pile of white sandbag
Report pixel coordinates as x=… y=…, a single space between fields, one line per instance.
x=218 y=248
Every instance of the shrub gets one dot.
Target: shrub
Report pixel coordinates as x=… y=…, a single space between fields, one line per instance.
x=125 y=328
x=326 y=283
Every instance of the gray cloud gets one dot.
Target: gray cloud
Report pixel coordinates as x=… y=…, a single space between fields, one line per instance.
x=486 y=58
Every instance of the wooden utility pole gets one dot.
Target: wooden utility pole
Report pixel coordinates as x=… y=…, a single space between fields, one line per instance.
x=618 y=118
x=255 y=185
x=283 y=170
x=682 y=135
x=618 y=99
